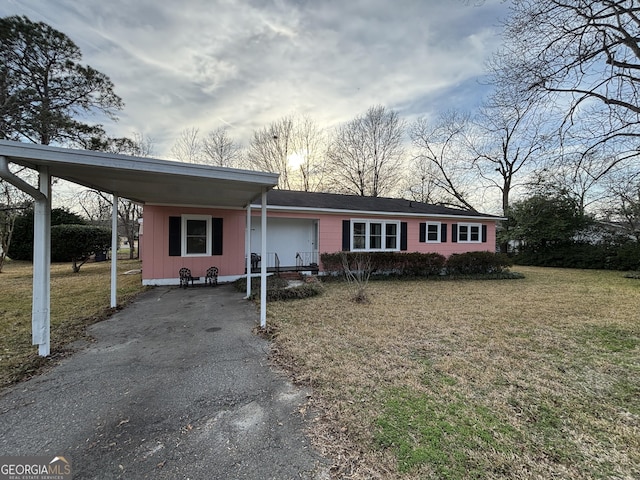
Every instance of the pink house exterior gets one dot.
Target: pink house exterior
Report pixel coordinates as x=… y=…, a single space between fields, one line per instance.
x=301 y=226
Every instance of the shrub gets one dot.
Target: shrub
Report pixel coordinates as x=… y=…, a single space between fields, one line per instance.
x=424 y=264
x=21 y=247
x=76 y=243
x=611 y=256
x=409 y=264
x=477 y=263
x=305 y=290
x=357 y=270
x=280 y=289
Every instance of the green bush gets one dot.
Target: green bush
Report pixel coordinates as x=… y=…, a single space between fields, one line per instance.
x=21 y=247
x=280 y=289
x=305 y=290
x=76 y=243
x=402 y=264
x=477 y=263
x=423 y=264
x=621 y=255
x=624 y=257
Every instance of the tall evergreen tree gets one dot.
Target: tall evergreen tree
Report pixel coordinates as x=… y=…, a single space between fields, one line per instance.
x=44 y=88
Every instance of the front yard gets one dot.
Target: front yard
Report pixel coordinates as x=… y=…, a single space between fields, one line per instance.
x=531 y=378
x=77 y=300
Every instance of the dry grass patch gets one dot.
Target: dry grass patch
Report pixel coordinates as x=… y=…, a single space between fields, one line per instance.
x=473 y=379
x=77 y=300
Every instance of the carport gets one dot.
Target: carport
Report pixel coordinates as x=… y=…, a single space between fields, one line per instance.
x=142 y=180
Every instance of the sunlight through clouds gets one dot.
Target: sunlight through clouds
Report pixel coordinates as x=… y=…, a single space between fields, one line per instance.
x=251 y=63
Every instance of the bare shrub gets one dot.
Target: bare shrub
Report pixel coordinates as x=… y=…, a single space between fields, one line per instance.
x=357 y=270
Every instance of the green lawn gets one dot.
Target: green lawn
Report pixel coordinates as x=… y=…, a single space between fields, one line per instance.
x=530 y=378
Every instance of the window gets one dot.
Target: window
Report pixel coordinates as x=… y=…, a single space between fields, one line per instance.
x=359 y=235
x=374 y=235
x=469 y=232
x=391 y=236
x=433 y=232
x=196 y=238
x=195 y=235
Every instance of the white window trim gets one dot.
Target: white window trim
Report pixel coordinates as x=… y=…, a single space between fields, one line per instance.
x=183 y=240
x=426 y=232
x=469 y=226
x=383 y=240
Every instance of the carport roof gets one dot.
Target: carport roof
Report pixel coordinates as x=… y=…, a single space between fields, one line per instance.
x=144 y=180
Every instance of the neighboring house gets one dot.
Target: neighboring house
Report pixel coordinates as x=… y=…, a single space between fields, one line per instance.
x=301 y=226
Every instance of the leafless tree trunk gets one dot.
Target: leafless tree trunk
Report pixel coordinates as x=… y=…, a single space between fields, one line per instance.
x=295 y=148
x=12 y=203
x=220 y=150
x=624 y=198
x=366 y=153
x=270 y=148
x=98 y=206
x=420 y=183
x=442 y=145
x=509 y=139
x=188 y=147
x=308 y=162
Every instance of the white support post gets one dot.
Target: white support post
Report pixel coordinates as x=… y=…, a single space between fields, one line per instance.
x=41 y=302
x=247 y=243
x=263 y=263
x=114 y=252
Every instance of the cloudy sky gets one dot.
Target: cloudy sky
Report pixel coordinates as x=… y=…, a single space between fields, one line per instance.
x=244 y=64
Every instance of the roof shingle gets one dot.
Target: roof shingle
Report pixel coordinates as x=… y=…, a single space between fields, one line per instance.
x=333 y=201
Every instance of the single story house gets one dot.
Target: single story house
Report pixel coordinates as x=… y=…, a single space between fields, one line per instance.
x=300 y=226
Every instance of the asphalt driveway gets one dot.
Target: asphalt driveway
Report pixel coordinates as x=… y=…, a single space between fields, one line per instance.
x=175 y=386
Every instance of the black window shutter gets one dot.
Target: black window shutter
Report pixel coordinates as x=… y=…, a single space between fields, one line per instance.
x=346 y=235
x=216 y=236
x=175 y=225
x=454 y=232
x=423 y=232
x=443 y=232
x=484 y=234
x=403 y=236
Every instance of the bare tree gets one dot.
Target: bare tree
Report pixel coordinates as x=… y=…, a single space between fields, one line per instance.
x=292 y=146
x=442 y=147
x=98 y=205
x=420 y=181
x=624 y=197
x=512 y=131
x=585 y=55
x=187 y=147
x=95 y=206
x=12 y=203
x=585 y=178
x=219 y=149
x=270 y=148
x=366 y=153
x=308 y=162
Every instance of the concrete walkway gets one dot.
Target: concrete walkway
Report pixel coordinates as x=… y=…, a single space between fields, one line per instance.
x=175 y=387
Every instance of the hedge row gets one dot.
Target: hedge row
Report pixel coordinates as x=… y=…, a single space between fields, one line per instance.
x=416 y=264
x=584 y=255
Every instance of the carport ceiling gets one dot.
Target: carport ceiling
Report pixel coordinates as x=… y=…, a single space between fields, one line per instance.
x=144 y=180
